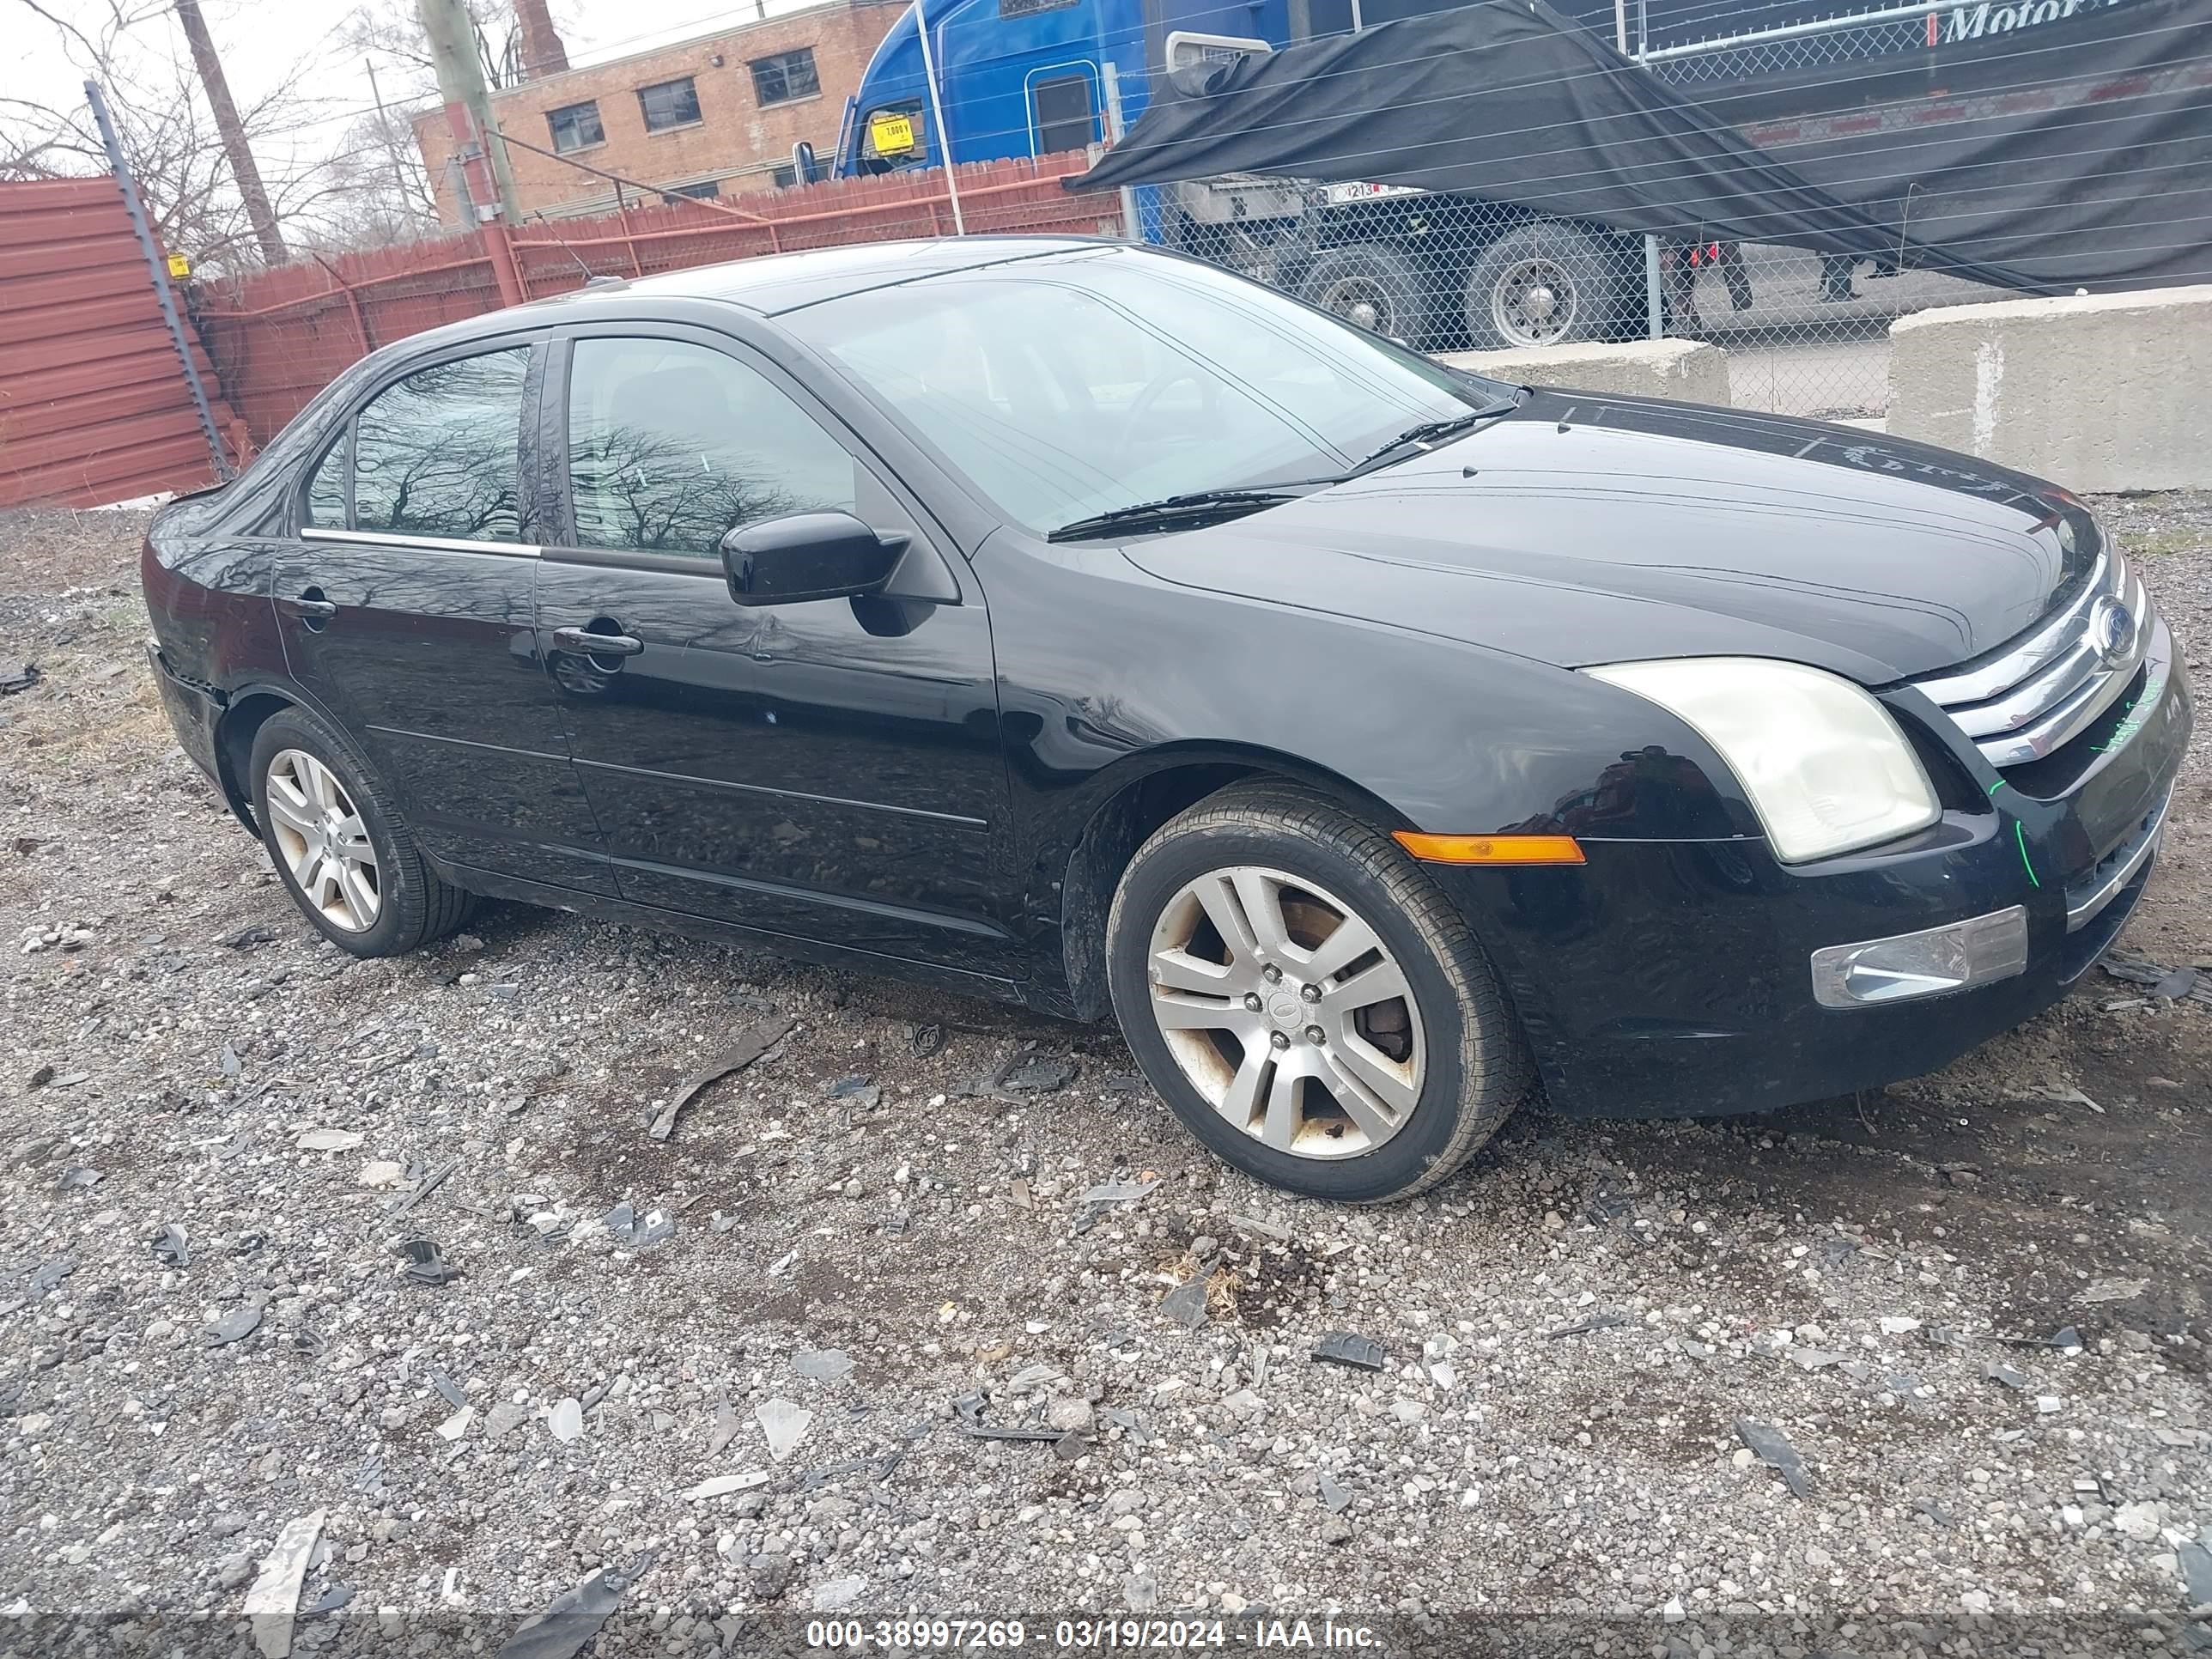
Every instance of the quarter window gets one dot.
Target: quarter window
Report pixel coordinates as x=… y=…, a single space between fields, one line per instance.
x=438 y=453
x=786 y=76
x=326 y=490
x=576 y=127
x=670 y=104
x=672 y=446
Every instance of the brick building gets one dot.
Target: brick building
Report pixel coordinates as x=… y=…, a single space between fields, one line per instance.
x=711 y=117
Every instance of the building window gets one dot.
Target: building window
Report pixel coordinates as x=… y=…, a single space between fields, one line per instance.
x=670 y=104
x=786 y=76
x=701 y=193
x=785 y=178
x=1023 y=8
x=576 y=127
x=1064 y=116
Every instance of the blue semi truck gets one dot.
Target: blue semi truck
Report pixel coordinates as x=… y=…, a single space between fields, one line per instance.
x=1036 y=77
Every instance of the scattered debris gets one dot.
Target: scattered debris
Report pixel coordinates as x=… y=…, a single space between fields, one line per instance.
x=2142 y=970
x=1037 y=1075
x=968 y=1408
x=1597 y=1321
x=17 y=677
x=1253 y=1224
x=926 y=1040
x=1772 y=1448
x=725 y=1428
x=78 y=1177
x=378 y=1172
x=1121 y=1192
x=169 y=1248
x=2194 y=1562
x=424 y=1187
x=785 y=1422
x=46 y=1278
x=1361 y=1353
x=1898 y=1324
x=1335 y=1498
x=1186 y=1303
x=247 y=937
x=838 y=1594
x=2065 y=1339
x=448 y=1390
x=235 y=1326
x=822 y=1364
x=328 y=1141
x=424 y=1265
x=2177 y=984
x=721 y=1485
x=1816 y=1359
x=625 y=1227
x=573 y=1618
x=1997 y=1372
x=750 y=1045
x=274 y=1600
x=566 y=1420
x=458 y=1425
x=2115 y=1290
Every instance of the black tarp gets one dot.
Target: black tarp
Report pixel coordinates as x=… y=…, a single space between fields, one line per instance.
x=2077 y=152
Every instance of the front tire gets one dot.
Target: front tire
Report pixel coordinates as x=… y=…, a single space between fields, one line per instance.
x=340 y=846
x=1311 y=1006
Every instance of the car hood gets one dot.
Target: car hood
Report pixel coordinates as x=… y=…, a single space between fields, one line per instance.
x=1582 y=529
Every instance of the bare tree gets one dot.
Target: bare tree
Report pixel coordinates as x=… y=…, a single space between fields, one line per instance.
x=390 y=30
x=168 y=137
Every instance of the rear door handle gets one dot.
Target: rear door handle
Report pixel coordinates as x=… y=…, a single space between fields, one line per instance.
x=584 y=641
x=308 y=609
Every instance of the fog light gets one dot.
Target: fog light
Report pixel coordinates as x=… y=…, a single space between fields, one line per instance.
x=1922 y=964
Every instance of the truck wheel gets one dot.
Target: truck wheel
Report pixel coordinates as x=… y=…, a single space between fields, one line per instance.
x=1370 y=284
x=1543 y=284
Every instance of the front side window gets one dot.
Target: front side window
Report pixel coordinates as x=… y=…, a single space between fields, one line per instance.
x=670 y=104
x=786 y=76
x=1071 y=384
x=576 y=127
x=1064 y=117
x=438 y=454
x=671 y=445
x=893 y=137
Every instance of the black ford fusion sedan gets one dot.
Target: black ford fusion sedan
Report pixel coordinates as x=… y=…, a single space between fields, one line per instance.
x=1080 y=625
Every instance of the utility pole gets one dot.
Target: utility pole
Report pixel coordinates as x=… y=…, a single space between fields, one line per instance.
x=243 y=172
x=468 y=111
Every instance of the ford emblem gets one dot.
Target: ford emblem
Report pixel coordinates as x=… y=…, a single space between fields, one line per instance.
x=2112 y=631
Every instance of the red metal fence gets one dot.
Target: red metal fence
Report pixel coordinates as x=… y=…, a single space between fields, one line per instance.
x=280 y=337
x=94 y=405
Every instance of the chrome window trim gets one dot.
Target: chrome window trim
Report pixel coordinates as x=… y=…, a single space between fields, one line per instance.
x=443 y=544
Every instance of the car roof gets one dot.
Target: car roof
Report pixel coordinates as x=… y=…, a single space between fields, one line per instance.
x=775 y=283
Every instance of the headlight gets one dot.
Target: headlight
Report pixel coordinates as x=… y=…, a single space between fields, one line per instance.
x=1825 y=766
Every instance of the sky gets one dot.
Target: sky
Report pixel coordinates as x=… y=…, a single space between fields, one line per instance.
x=259 y=40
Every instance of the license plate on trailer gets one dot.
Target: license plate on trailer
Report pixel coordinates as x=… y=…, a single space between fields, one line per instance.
x=892 y=135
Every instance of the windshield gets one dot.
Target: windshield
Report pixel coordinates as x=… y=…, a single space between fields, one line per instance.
x=1074 y=384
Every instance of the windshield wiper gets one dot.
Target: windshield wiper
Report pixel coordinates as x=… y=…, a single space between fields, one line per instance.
x=1428 y=434
x=1199 y=505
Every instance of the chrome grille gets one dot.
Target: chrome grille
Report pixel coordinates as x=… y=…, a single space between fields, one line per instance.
x=2034 y=695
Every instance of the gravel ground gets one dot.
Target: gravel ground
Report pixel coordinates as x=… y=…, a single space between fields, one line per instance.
x=869 y=1234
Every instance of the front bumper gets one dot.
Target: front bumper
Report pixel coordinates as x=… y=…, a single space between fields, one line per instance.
x=1676 y=978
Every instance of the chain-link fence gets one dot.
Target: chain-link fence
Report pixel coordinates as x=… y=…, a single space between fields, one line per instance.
x=1806 y=334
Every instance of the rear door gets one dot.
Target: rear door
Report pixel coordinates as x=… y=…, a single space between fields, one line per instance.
x=405 y=601
x=827 y=770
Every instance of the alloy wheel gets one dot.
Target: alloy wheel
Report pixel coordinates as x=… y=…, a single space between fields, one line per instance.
x=324 y=841
x=1287 y=1011
x=1362 y=301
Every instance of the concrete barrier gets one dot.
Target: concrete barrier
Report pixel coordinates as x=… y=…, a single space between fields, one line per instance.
x=1688 y=371
x=2099 y=393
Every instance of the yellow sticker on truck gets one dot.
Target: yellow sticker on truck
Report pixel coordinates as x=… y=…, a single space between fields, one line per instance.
x=892 y=133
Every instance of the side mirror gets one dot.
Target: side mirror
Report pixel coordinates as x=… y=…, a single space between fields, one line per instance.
x=808 y=556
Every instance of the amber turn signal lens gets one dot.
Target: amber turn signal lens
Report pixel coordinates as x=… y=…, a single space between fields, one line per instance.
x=1490 y=849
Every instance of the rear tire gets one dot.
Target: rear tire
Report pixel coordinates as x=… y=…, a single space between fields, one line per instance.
x=1544 y=283
x=1325 y=1077
x=1371 y=284
x=339 y=844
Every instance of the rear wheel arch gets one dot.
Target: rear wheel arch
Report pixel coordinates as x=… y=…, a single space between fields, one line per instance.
x=1144 y=799
x=242 y=721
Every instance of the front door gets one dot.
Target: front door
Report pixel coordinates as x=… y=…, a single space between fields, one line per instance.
x=827 y=770
x=405 y=601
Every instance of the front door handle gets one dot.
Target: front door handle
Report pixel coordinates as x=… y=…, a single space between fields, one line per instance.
x=584 y=641
x=310 y=606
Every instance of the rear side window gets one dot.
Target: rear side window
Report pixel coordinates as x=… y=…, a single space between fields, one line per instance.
x=671 y=445
x=438 y=453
